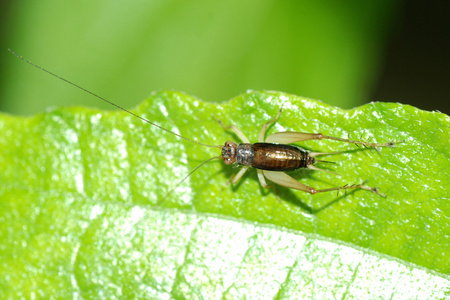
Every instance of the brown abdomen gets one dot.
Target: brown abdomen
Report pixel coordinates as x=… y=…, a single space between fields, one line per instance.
x=275 y=157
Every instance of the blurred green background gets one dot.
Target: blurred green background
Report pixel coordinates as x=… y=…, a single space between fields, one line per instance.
x=214 y=50
x=335 y=51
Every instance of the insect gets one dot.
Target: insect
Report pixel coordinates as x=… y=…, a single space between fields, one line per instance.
x=271 y=156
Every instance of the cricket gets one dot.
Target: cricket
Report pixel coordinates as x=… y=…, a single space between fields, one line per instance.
x=271 y=156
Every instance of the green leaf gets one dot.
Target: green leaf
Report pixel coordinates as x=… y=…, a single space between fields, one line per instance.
x=85 y=211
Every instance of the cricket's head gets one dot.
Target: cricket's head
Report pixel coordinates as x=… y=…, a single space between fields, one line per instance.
x=229 y=153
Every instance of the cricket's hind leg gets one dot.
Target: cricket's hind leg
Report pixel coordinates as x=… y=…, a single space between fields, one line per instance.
x=293 y=137
x=285 y=180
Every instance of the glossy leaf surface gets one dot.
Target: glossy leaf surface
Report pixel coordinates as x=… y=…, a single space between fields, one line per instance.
x=85 y=211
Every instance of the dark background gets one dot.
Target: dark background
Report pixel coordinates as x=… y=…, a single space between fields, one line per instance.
x=416 y=65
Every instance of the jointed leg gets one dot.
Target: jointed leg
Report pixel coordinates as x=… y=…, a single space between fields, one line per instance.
x=262 y=133
x=235 y=130
x=264 y=184
x=239 y=175
x=261 y=178
x=293 y=137
x=353 y=187
x=285 y=180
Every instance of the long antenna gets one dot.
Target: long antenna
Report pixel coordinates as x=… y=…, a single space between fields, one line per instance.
x=107 y=101
x=186 y=177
